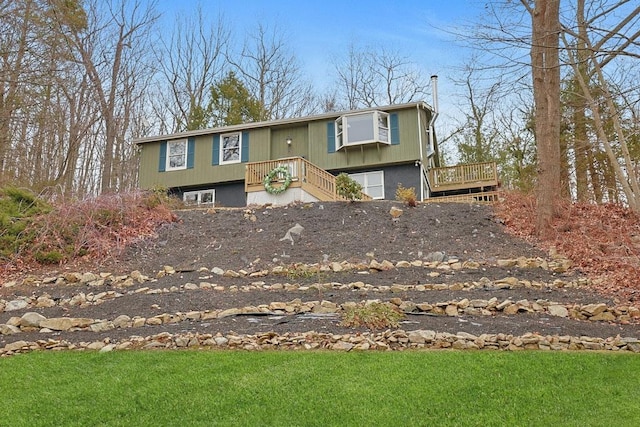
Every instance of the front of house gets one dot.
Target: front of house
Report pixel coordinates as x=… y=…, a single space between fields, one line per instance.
x=380 y=148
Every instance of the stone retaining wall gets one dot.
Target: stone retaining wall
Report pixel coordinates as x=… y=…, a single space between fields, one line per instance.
x=384 y=341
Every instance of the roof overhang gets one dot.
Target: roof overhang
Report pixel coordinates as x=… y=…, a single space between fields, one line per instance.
x=274 y=123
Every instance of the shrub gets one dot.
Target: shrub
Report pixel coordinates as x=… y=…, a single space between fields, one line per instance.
x=406 y=195
x=374 y=315
x=18 y=208
x=52 y=257
x=31 y=230
x=348 y=188
x=101 y=226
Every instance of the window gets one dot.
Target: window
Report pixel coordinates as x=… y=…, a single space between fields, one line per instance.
x=176 y=155
x=199 y=197
x=372 y=183
x=230 y=148
x=362 y=128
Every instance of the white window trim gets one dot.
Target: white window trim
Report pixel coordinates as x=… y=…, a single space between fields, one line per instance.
x=229 y=162
x=366 y=184
x=199 y=194
x=168 y=166
x=342 y=132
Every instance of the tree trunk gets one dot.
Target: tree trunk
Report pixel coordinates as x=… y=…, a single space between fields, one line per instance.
x=546 y=88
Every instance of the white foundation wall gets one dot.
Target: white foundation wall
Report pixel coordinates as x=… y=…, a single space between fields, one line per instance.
x=289 y=196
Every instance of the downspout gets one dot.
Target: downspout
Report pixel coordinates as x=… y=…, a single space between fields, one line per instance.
x=421 y=161
x=434 y=116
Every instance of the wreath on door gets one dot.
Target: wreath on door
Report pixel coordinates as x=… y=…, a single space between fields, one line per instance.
x=275 y=174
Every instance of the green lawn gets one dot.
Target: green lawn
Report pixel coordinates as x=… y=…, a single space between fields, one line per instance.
x=205 y=388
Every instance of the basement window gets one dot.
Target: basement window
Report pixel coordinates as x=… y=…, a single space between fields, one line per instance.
x=372 y=183
x=362 y=128
x=202 y=197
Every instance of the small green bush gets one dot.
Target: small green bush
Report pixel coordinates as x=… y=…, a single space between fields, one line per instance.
x=374 y=315
x=348 y=188
x=52 y=257
x=18 y=208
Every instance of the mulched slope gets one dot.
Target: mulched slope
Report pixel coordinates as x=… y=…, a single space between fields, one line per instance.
x=332 y=232
x=253 y=240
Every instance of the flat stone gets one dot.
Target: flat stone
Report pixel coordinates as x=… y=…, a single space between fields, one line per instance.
x=511 y=309
x=277 y=306
x=57 y=323
x=221 y=341
x=593 y=309
x=558 y=310
x=451 y=310
x=479 y=303
x=605 y=316
x=343 y=346
x=17 y=304
x=506 y=262
x=8 y=329
x=88 y=277
x=336 y=267
x=121 y=321
x=421 y=336
x=96 y=345
x=31 y=320
x=229 y=312
x=231 y=273
x=45 y=301
x=14 y=346
x=435 y=257
x=107 y=348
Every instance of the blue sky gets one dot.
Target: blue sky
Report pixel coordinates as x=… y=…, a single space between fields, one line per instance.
x=316 y=31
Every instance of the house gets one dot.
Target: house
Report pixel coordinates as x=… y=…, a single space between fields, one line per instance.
x=246 y=164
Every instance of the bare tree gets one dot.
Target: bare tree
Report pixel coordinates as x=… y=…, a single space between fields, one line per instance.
x=272 y=74
x=37 y=78
x=476 y=135
x=594 y=49
x=16 y=38
x=373 y=77
x=111 y=51
x=190 y=61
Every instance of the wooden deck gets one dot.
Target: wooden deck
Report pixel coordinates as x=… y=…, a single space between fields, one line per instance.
x=312 y=179
x=484 y=197
x=470 y=176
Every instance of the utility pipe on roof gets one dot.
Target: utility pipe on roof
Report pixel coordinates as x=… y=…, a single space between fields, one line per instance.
x=434 y=116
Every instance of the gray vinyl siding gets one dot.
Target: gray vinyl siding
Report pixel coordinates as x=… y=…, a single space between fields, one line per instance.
x=407 y=174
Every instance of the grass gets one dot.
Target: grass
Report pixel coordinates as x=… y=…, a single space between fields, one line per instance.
x=207 y=388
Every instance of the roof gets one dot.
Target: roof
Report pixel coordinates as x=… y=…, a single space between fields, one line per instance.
x=280 y=122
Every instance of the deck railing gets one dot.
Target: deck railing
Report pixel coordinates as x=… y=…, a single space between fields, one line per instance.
x=470 y=175
x=314 y=180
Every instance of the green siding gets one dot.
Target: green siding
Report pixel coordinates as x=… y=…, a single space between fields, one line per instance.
x=309 y=140
x=371 y=154
x=299 y=142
